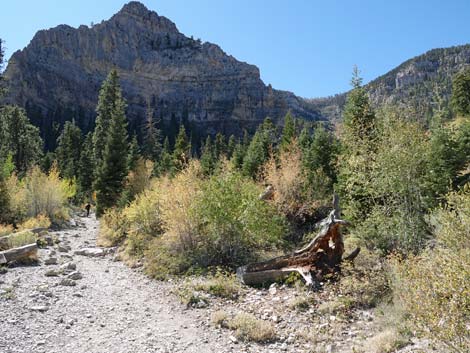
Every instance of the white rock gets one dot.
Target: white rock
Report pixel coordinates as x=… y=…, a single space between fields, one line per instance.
x=92 y=252
x=75 y=276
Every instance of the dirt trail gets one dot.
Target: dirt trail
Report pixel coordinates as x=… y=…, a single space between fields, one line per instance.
x=111 y=309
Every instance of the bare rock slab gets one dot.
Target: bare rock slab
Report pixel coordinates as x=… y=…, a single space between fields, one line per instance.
x=91 y=252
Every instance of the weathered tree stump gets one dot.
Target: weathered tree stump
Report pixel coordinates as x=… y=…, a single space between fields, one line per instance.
x=321 y=256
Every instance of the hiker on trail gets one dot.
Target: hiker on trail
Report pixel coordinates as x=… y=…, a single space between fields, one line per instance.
x=87 y=208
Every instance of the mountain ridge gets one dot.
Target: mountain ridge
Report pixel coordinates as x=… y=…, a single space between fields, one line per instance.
x=58 y=75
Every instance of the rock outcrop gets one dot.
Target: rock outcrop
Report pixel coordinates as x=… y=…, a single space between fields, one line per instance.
x=58 y=75
x=419 y=84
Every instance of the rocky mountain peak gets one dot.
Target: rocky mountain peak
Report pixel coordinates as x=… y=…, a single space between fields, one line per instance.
x=57 y=77
x=135 y=12
x=135 y=8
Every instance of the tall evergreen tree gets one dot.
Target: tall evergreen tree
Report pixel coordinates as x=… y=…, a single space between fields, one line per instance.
x=461 y=93
x=166 y=162
x=208 y=160
x=322 y=154
x=110 y=95
x=182 y=151
x=152 y=146
x=112 y=167
x=220 y=146
x=231 y=146
x=68 y=150
x=260 y=148
x=87 y=166
x=359 y=137
x=134 y=153
x=288 y=132
x=19 y=138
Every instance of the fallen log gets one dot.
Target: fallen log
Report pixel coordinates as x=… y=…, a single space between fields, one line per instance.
x=321 y=256
x=20 y=253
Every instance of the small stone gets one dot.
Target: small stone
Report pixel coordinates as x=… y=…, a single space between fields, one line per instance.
x=68 y=282
x=64 y=248
x=233 y=339
x=75 y=276
x=51 y=261
x=69 y=266
x=78 y=295
x=91 y=252
x=51 y=273
x=40 y=308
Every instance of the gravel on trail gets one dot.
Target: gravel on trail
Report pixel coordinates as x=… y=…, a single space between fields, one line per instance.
x=94 y=304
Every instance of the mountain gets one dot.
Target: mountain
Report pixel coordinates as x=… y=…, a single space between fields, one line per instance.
x=57 y=77
x=419 y=84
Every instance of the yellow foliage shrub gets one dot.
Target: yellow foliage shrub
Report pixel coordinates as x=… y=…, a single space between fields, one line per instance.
x=434 y=287
x=287 y=178
x=40 y=221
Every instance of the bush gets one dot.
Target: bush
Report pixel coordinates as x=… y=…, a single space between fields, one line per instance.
x=113 y=228
x=47 y=194
x=434 y=287
x=234 y=224
x=249 y=328
x=288 y=180
x=212 y=222
x=40 y=221
x=221 y=285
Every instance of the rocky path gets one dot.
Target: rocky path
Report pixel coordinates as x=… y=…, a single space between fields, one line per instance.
x=95 y=305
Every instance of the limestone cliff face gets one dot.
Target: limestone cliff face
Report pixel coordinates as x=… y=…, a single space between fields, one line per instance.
x=416 y=84
x=58 y=75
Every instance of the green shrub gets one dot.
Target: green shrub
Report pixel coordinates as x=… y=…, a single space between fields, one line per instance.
x=47 y=194
x=212 y=222
x=221 y=284
x=248 y=328
x=234 y=224
x=434 y=288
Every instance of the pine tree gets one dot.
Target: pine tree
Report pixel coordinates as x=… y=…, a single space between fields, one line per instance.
x=461 y=93
x=19 y=138
x=359 y=140
x=152 y=147
x=231 y=146
x=288 y=132
x=208 y=160
x=112 y=168
x=182 y=151
x=166 y=162
x=220 y=147
x=305 y=139
x=260 y=148
x=322 y=154
x=68 y=150
x=110 y=95
x=86 y=169
x=134 y=153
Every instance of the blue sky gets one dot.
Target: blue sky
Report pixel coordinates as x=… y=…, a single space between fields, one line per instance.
x=305 y=46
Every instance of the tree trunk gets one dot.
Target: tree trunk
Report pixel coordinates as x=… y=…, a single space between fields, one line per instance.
x=321 y=256
x=19 y=253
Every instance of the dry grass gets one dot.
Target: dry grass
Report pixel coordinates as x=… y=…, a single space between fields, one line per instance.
x=6 y=229
x=248 y=328
x=221 y=285
x=387 y=341
x=40 y=221
x=20 y=239
x=287 y=178
x=220 y=318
